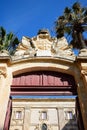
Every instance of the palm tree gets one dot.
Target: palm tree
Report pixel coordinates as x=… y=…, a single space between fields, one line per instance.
x=8 y=41
x=73 y=23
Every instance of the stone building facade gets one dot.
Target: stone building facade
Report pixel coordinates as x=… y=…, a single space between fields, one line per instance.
x=53 y=114
x=52 y=59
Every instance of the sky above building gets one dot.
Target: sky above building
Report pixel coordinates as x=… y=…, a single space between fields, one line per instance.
x=26 y=17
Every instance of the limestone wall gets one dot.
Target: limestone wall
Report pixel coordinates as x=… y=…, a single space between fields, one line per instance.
x=32 y=117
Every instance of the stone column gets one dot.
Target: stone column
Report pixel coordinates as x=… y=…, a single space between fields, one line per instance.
x=4 y=92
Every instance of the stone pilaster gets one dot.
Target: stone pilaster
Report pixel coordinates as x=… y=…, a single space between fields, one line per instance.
x=60 y=116
x=27 y=118
x=4 y=92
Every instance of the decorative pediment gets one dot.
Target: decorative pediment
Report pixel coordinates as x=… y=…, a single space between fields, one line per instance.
x=44 y=45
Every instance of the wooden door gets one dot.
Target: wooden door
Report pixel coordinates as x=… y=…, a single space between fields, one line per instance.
x=43 y=83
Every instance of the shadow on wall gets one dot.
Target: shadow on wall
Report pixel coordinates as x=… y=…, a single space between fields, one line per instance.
x=71 y=124
x=79 y=115
x=76 y=121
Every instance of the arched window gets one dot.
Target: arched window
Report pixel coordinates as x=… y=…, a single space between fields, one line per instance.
x=44 y=126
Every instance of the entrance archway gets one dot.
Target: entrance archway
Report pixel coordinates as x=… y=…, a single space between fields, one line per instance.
x=45 y=83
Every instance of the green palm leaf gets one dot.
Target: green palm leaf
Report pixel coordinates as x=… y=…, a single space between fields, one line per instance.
x=8 y=41
x=73 y=22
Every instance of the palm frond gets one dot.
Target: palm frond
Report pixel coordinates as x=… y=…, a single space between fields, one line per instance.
x=73 y=22
x=76 y=7
x=8 y=41
x=2 y=32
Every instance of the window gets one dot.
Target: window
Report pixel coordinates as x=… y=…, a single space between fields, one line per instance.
x=44 y=126
x=68 y=115
x=18 y=114
x=44 y=115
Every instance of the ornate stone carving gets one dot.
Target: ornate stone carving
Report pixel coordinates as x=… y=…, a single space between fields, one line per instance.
x=4 y=53
x=83 y=52
x=25 y=48
x=44 y=45
x=61 y=47
x=84 y=72
x=84 y=69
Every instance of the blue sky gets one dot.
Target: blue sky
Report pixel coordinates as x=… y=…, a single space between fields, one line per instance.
x=26 y=17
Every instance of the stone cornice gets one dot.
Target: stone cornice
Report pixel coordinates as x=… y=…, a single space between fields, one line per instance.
x=47 y=99
x=43 y=59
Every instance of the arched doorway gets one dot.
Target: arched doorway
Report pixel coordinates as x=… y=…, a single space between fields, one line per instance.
x=44 y=126
x=43 y=83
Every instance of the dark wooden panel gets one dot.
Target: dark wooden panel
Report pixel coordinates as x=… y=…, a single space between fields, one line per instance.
x=46 y=81
x=22 y=90
x=44 y=78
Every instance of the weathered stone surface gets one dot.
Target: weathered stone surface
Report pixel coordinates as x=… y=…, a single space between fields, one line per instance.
x=32 y=109
x=83 y=53
x=62 y=49
x=5 y=78
x=4 y=53
x=44 y=45
x=29 y=58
